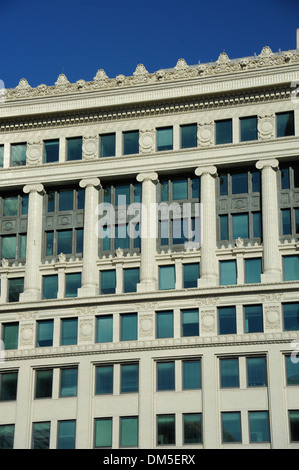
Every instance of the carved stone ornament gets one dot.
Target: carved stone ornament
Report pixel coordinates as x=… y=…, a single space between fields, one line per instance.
x=101 y=77
x=23 y=85
x=34 y=154
x=207 y=321
x=140 y=74
x=272 y=316
x=62 y=82
x=266 y=127
x=205 y=134
x=147 y=141
x=26 y=334
x=86 y=329
x=90 y=147
x=146 y=325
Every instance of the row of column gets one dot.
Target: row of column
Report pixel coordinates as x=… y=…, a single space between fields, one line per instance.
x=272 y=271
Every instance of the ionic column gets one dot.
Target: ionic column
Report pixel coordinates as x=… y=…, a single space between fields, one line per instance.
x=90 y=273
x=32 y=280
x=272 y=271
x=208 y=262
x=148 y=268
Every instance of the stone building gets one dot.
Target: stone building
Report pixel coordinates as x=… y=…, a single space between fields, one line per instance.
x=182 y=338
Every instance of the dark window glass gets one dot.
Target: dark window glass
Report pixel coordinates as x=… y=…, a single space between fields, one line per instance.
x=179 y=189
x=231 y=427
x=66 y=200
x=191 y=375
x=10 y=335
x=240 y=225
x=79 y=240
x=18 y=154
x=7 y=436
x=104 y=380
x=129 y=378
x=285 y=124
x=229 y=372
x=108 y=281
x=105 y=329
x=188 y=136
x=8 y=246
x=131 y=142
x=69 y=331
x=285 y=178
x=292 y=371
x=192 y=428
x=239 y=183
x=41 y=435
x=16 y=287
x=68 y=382
x=294 y=425
x=291 y=316
x=51 y=151
x=223 y=227
x=291 y=268
x=1 y=155
x=253 y=319
x=256 y=372
x=164 y=139
x=190 y=275
x=72 y=284
x=228 y=273
x=45 y=333
x=256 y=181
x=8 y=386
x=165 y=430
x=103 y=432
x=224 y=132
x=107 y=145
x=286 y=221
x=223 y=184
x=50 y=286
x=65 y=242
x=164 y=327
x=129 y=431
x=74 y=148
x=190 y=322
x=131 y=279
x=257 y=225
x=165 y=376
x=259 y=426
x=43 y=384
x=227 y=320
x=66 y=434
x=167 y=277
x=253 y=270
x=248 y=128
x=49 y=243
x=129 y=323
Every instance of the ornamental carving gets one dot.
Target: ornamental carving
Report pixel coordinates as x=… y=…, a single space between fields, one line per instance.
x=141 y=74
x=272 y=316
x=147 y=141
x=208 y=323
x=146 y=326
x=86 y=329
x=26 y=334
x=34 y=153
x=207 y=301
x=90 y=147
x=266 y=127
x=205 y=134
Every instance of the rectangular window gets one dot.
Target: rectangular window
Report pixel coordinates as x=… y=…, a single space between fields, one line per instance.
x=191 y=375
x=227 y=320
x=228 y=273
x=223 y=219
x=129 y=431
x=231 y=427
x=253 y=317
x=192 y=428
x=65 y=241
x=107 y=145
x=1 y=155
x=292 y=371
x=10 y=206
x=10 y=335
x=68 y=382
x=164 y=324
x=69 y=331
x=253 y=270
x=41 y=435
x=51 y=151
x=129 y=378
x=104 y=380
x=190 y=275
x=130 y=142
x=18 y=154
x=239 y=183
x=291 y=268
x=131 y=279
x=8 y=386
x=66 y=434
x=45 y=333
x=165 y=376
x=72 y=284
x=108 y=281
x=256 y=372
x=43 y=383
x=166 y=277
x=129 y=326
x=165 y=430
x=294 y=425
x=50 y=286
x=74 y=148
x=240 y=225
x=248 y=128
x=7 y=432
x=103 y=433
x=224 y=131
x=8 y=246
x=190 y=322
x=16 y=287
x=291 y=316
x=259 y=426
x=285 y=125
x=229 y=373
x=164 y=139
x=188 y=136
x=286 y=221
x=105 y=329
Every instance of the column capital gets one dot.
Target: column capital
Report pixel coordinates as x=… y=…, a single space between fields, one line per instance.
x=270 y=163
x=211 y=169
x=90 y=182
x=38 y=187
x=149 y=176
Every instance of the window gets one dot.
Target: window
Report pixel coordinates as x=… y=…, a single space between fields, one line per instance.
x=166 y=277
x=253 y=270
x=15 y=288
x=51 y=151
x=8 y=386
x=7 y=432
x=248 y=128
x=227 y=320
x=1 y=155
x=294 y=425
x=229 y=373
x=41 y=435
x=130 y=142
x=66 y=434
x=131 y=279
x=10 y=332
x=18 y=154
x=103 y=432
x=104 y=329
x=104 y=380
x=69 y=331
x=107 y=145
x=190 y=322
x=191 y=375
x=108 y=281
x=74 y=148
x=129 y=431
x=259 y=426
x=231 y=427
x=253 y=316
x=72 y=284
x=68 y=382
x=129 y=378
x=164 y=324
x=292 y=371
x=164 y=139
x=288 y=200
x=256 y=372
x=285 y=125
x=165 y=430
x=291 y=316
x=165 y=376
x=224 y=132
x=45 y=333
x=192 y=423
x=188 y=136
x=190 y=275
x=291 y=268
x=228 y=273
x=43 y=383
x=129 y=326
x=50 y=286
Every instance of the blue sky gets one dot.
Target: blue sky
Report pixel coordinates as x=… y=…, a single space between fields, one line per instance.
x=42 y=38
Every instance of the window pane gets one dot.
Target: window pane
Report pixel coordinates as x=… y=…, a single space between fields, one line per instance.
x=79 y=240
x=1 y=155
x=24 y=204
x=239 y=183
x=256 y=372
x=254 y=319
x=131 y=142
x=9 y=247
x=18 y=154
x=65 y=242
x=72 y=284
x=129 y=432
x=285 y=178
x=104 y=380
x=253 y=270
x=68 y=382
x=107 y=148
x=129 y=327
x=103 y=432
x=286 y=222
x=166 y=430
x=179 y=189
x=16 y=287
x=240 y=226
x=10 y=206
x=108 y=282
x=227 y=320
x=228 y=273
x=164 y=186
x=9 y=382
x=223 y=183
x=192 y=428
x=285 y=124
x=166 y=376
x=223 y=227
x=229 y=373
x=45 y=333
x=7 y=436
x=259 y=426
x=294 y=425
x=191 y=275
x=131 y=279
x=164 y=325
x=189 y=136
x=190 y=322
x=257 y=225
x=291 y=268
x=122 y=239
x=291 y=316
x=191 y=375
x=41 y=435
x=164 y=139
x=122 y=195
x=297 y=221
x=292 y=371
x=167 y=277
x=10 y=335
x=74 y=148
x=66 y=200
x=224 y=132
x=248 y=128
x=51 y=151
x=105 y=329
x=256 y=181
x=23 y=245
x=43 y=385
x=69 y=331
x=296 y=175
x=129 y=378
x=231 y=427
x=50 y=286
x=49 y=243
x=66 y=434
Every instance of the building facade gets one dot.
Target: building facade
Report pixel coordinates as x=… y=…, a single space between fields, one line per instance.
x=116 y=338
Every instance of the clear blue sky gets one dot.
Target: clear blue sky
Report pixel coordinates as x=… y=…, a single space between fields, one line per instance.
x=42 y=38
